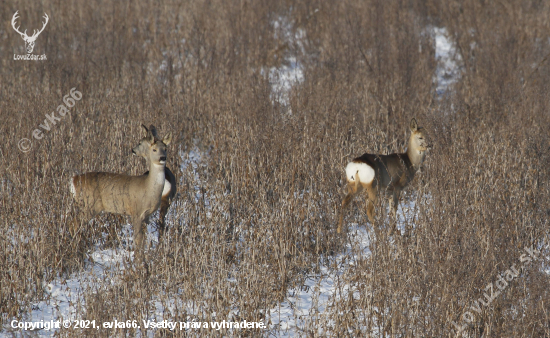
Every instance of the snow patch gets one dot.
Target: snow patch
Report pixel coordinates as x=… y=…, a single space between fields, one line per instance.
x=310 y=302
x=64 y=297
x=290 y=72
x=447 y=58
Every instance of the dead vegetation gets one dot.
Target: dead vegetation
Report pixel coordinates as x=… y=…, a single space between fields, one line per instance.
x=258 y=214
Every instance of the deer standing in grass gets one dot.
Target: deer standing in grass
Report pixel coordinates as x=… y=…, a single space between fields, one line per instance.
x=391 y=173
x=134 y=196
x=169 y=190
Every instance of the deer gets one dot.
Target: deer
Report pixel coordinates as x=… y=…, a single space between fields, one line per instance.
x=134 y=196
x=388 y=173
x=169 y=190
x=29 y=40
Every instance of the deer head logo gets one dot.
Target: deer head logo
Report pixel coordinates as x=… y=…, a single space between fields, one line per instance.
x=29 y=40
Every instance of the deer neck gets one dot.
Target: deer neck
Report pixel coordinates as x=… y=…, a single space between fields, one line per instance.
x=155 y=178
x=415 y=156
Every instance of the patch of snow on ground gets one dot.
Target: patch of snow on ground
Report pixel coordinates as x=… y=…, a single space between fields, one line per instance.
x=290 y=72
x=305 y=303
x=190 y=163
x=448 y=70
x=283 y=78
x=64 y=298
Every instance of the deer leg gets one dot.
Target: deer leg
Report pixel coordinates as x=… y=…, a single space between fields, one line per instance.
x=79 y=220
x=395 y=202
x=394 y=205
x=353 y=188
x=139 y=234
x=371 y=201
x=83 y=217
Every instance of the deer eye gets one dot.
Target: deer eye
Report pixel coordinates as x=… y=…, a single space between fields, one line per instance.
x=154 y=150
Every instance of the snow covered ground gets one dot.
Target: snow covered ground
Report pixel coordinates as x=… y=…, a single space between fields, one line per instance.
x=283 y=78
x=64 y=298
x=448 y=70
x=312 y=298
x=290 y=72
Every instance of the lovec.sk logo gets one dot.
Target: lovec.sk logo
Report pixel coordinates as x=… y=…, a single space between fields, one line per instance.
x=29 y=40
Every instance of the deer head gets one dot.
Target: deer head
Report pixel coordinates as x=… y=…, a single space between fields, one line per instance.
x=29 y=40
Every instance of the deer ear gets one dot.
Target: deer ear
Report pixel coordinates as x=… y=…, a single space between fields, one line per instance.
x=414 y=125
x=150 y=138
x=153 y=130
x=167 y=139
x=144 y=127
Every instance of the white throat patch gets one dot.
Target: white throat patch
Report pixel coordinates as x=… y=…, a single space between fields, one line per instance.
x=167 y=187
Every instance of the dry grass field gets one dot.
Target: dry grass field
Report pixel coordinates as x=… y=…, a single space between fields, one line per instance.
x=267 y=101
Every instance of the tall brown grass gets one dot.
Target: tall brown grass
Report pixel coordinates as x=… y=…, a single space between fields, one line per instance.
x=261 y=216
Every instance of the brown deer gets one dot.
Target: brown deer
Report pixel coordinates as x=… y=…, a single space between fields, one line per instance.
x=391 y=173
x=169 y=190
x=134 y=196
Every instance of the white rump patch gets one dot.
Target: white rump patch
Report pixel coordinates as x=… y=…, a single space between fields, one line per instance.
x=364 y=171
x=167 y=187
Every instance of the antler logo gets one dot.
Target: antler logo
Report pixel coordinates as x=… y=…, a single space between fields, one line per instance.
x=29 y=40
